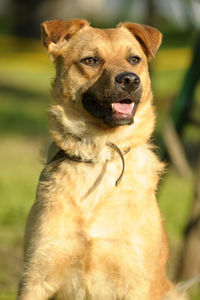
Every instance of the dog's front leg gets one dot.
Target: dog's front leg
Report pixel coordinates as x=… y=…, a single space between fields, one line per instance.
x=50 y=267
x=30 y=291
x=54 y=247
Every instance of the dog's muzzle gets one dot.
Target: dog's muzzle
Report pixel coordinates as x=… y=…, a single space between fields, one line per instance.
x=116 y=107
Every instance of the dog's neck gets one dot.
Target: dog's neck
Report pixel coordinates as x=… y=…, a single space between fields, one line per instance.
x=55 y=153
x=72 y=139
x=75 y=140
x=78 y=151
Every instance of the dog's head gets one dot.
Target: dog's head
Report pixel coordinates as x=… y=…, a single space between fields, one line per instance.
x=102 y=74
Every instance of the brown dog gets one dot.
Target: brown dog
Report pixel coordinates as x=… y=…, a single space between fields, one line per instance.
x=90 y=236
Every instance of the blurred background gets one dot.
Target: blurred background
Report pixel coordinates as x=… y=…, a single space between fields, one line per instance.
x=25 y=77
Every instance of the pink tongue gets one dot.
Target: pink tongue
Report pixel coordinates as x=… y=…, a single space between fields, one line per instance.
x=123 y=108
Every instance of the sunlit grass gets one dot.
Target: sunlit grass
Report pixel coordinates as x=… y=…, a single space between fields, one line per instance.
x=20 y=167
x=7 y=296
x=20 y=163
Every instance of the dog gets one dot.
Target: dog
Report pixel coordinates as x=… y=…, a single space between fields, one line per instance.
x=95 y=231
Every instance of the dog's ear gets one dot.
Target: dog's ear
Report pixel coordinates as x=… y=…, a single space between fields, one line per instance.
x=149 y=37
x=56 y=33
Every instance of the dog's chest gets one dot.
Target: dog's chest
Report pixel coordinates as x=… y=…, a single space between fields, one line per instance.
x=118 y=228
x=107 y=209
x=115 y=217
x=118 y=239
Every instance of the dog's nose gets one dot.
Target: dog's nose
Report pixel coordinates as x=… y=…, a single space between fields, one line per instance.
x=128 y=80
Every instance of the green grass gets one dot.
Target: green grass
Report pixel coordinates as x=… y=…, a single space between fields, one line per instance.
x=7 y=296
x=175 y=197
x=25 y=76
x=20 y=168
x=22 y=113
x=21 y=164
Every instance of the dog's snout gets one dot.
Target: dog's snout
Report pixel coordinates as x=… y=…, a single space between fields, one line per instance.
x=128 y=80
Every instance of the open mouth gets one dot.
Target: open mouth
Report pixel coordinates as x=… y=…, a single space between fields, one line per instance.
x=114 y=113
x=122 y=113
x=124 y=109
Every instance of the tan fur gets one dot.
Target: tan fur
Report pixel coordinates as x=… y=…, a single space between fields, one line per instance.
x=85 y=237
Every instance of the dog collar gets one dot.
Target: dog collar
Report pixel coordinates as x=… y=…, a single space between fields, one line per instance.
x=61 y=155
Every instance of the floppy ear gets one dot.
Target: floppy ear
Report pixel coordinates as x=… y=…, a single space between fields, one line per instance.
x=56 y=33
x=149 y=37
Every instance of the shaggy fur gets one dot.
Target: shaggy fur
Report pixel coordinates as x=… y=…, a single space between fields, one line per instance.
x=86 y=238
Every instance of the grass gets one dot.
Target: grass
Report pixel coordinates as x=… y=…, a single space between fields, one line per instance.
x=22 y=112
x=175 y=203
x=25 y=76
x=20 y=167
x=20 y=163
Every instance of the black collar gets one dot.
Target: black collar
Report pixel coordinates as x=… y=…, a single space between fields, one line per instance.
x=61 y=154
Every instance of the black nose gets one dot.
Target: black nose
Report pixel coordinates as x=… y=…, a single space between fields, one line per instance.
x=128 y=80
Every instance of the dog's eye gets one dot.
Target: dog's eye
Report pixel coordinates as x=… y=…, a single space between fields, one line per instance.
x=90 y=61
x=134 y=60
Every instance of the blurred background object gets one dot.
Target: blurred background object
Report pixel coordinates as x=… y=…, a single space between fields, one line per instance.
x=25 y=78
